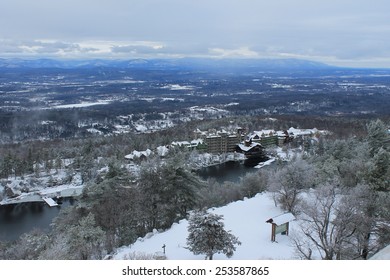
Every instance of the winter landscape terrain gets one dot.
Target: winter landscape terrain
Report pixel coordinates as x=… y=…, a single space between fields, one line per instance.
x=241 y=139
x=127 y=142
x=246 y=219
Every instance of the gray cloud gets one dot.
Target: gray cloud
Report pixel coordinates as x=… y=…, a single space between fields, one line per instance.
x=137 y=49
x=337 y=31
x=44 y=47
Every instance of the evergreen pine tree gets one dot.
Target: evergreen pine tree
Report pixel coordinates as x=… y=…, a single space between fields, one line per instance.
x=380 y=173
x=85 y=240
x=378 y=136
x=208 y=236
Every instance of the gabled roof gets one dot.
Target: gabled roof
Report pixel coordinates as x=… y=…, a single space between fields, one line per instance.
x=282 y=219
x=262 y=133
x=137 y=154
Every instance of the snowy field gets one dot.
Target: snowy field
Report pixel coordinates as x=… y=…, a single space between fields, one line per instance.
x=383 y=254
x=246 y=220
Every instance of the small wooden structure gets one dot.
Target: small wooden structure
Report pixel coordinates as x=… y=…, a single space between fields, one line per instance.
x=49 y=201
x=280 y=224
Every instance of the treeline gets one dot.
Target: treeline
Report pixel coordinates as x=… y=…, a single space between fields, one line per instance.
x=23 y=158
x=34 y=156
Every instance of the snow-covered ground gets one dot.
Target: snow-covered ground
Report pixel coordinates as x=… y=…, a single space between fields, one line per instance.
x=246 y=219
x=383 y=254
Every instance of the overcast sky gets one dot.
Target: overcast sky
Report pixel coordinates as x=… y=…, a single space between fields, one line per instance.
x=338 y=32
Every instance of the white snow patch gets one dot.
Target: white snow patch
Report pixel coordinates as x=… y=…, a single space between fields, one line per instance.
x=141 y=128
x=178 y=87
x=94 y=131
x=265 y=163
x=383 y=254
x=82 y=104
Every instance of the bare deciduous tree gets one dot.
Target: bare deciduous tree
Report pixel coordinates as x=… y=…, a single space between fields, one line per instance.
x=329 y=224
x=287 y=183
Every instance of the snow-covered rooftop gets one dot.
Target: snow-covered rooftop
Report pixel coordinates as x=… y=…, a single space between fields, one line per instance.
x=246 y=148
x=138 y=154
x=263 y=133
x=297 y=131
x=291 y=131
x=282 y=219
x=162 y=151
x=181 y=143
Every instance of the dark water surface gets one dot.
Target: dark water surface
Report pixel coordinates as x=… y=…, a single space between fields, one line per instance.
x=20 y=218
x=230 y=171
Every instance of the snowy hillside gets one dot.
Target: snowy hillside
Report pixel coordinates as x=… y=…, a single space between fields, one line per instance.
x=246 y=220
x=383 y=254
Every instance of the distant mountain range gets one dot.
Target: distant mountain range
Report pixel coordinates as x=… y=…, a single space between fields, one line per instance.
x=183 y=63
